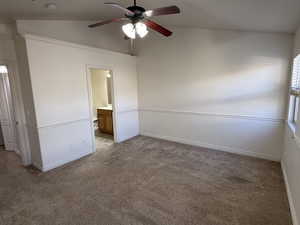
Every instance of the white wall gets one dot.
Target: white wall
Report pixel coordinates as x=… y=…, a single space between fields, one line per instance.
x=291 y=158
x=291 y=167
x=106 y=37
x=220 y=89
x=31 y=138
x=58 y=72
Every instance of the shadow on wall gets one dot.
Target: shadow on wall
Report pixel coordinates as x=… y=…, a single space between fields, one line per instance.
x=236 y=90
x=218 y=71
x=240 y=90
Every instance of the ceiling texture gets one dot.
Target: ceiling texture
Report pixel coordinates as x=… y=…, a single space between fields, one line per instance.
x=247 y=15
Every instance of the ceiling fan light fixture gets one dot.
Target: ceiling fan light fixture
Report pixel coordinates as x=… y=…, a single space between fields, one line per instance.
x=141 y=29
x=139 y=21
x=148 y=13
x=129 y=30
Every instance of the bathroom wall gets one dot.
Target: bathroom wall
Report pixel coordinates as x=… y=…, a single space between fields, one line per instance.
x=99 y=89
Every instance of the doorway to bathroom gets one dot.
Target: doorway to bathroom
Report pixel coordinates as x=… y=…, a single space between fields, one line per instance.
x=101 y=103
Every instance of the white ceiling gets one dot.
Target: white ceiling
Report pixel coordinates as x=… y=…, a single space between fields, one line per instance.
x=250 y=15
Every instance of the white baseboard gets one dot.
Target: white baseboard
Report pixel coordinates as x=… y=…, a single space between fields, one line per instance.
x=290 y=197
x=127 y=137
x=213 y=146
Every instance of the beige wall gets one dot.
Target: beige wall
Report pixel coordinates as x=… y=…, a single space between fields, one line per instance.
x=220 y=89
x=99 y=89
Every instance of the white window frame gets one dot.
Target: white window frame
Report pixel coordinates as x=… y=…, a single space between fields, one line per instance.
x=294 y=94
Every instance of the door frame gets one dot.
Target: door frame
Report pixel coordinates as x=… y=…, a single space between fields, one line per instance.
x=19 y=113
x=10 y=136
x=90 y=100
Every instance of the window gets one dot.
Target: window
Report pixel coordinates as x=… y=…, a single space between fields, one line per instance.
x=3 y=69
x=295 y=91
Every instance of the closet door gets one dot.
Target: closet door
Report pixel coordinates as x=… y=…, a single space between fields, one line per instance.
x=8 y=124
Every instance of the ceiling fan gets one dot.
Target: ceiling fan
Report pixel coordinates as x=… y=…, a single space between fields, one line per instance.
x=138 y=19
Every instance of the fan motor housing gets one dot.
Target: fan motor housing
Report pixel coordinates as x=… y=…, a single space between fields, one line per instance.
x=137 y=10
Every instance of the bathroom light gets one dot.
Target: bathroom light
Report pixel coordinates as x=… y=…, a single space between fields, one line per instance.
x=129 y=30
x=132 y=29
x=3 y=69
x=141 y=29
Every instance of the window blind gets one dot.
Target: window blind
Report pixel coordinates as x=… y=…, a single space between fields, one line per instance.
x=295 y=83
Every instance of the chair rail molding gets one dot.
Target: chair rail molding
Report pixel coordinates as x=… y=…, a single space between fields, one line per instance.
x=247 y=117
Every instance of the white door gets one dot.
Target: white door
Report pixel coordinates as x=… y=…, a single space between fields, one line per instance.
x=7 y=119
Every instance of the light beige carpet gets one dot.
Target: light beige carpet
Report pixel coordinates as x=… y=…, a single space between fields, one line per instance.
x=103 y=141
x=146 y=181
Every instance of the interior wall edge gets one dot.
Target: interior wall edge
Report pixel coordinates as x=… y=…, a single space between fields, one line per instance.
x=132 y=127
x=37 y=164
x=32 y=140
x=76 y=31
x=29 y=36
x=290 y=169
x=290 y=195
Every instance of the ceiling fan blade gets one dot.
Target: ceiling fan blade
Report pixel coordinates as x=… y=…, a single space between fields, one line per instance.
x=127 y=11
x=158 y=28
x=162 y=11
x=106 y=22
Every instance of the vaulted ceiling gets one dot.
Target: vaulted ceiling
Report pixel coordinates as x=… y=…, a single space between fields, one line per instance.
x=248 y=15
